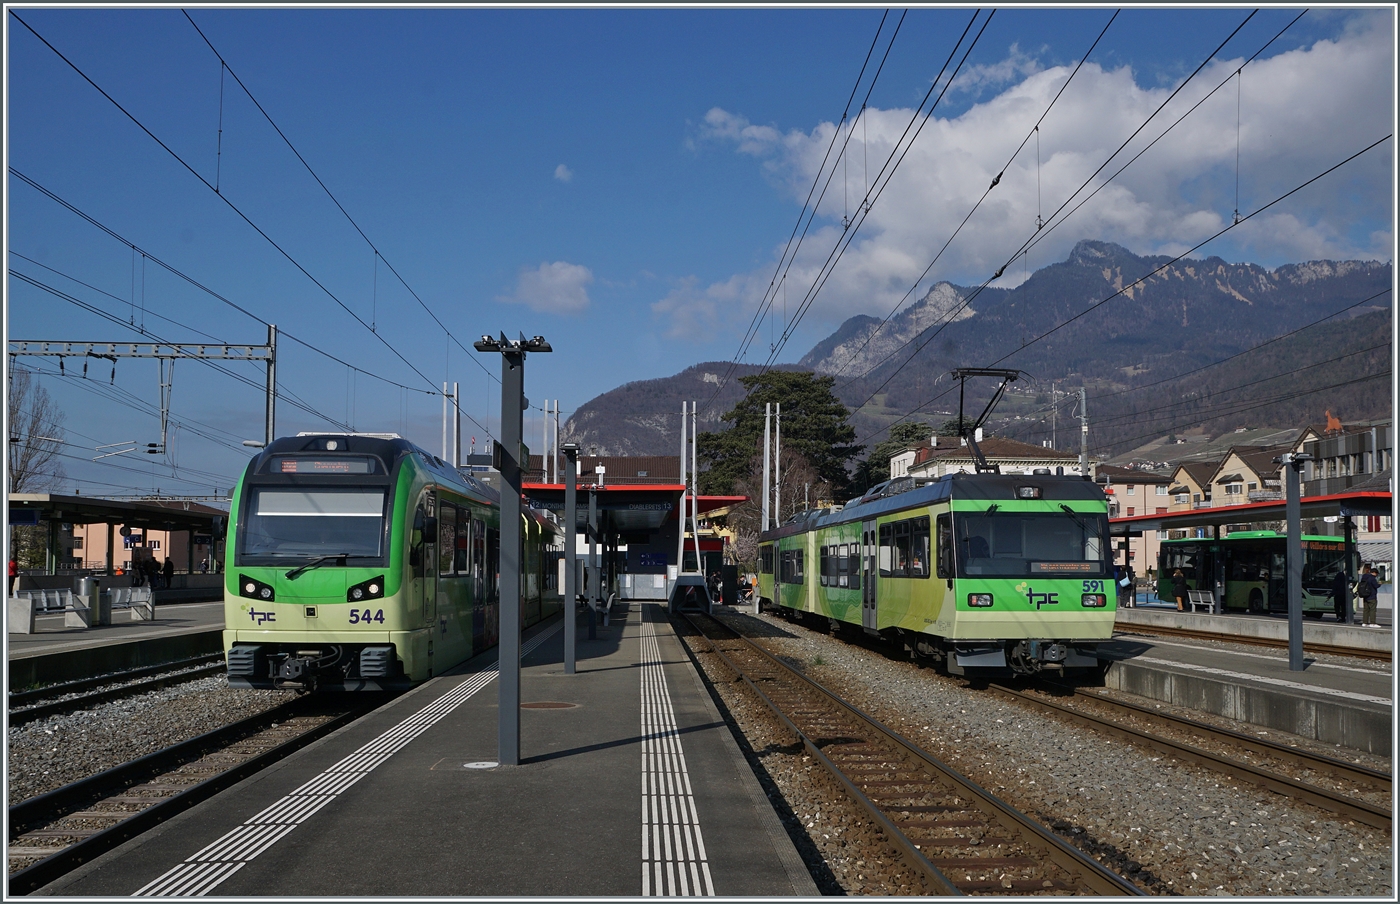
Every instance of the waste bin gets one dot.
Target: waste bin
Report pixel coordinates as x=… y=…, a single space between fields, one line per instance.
x=99 y=606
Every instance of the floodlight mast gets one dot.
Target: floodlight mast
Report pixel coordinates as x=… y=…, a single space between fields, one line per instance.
x=968 y=433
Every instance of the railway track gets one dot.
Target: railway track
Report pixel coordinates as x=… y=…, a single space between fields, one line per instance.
x=1343 y=804
x=30 y=706
x=961 y=839
x=55 y=833
x=1308 y=646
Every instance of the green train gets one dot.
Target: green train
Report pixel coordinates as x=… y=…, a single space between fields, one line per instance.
x=362 y=562
x=979 y=572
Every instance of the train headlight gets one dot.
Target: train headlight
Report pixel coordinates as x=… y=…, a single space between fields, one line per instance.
x=372 y=589
x=255 y=589
x=979 y=600
x=1093 y=600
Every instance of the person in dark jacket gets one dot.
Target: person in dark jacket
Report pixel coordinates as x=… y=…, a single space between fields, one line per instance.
x=168 y=572
x=1339 y=594
x=1368 y=588
x=1179 y=589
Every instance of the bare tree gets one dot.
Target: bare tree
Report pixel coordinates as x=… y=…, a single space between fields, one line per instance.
x=36 y=435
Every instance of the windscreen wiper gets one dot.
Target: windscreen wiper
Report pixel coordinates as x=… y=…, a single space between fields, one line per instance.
x=1083 y=525
x=312 y=563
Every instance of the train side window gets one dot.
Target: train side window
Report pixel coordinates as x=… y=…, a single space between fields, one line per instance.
x=886 y=549
x=447 y=537
x=479 y=558
x=918 y=563
x=825 y=563
x=902 y=551
x=945 y=546
x=461 y=559
x=853 y=566
x=493 y=563
x=765 y=556
x=798 y=574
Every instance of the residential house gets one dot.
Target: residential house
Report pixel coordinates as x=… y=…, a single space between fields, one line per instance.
x=1134 y=492
x=950 y=454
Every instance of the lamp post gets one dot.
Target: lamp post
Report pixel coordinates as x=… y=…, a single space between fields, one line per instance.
x=512 y=403
x=570 y=555
x=1293 y=463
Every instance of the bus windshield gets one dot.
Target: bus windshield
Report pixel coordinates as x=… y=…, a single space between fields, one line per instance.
x=282 y=523
x=1014 y=544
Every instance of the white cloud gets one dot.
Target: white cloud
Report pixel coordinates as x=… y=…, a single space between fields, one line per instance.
x=563 y=173
x=1301 y=112
x=557 y=288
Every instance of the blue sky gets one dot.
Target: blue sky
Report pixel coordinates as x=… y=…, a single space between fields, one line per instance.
x=621 y=181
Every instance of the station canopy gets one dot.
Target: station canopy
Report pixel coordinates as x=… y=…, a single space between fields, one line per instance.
x=149 y=514
x=1356 y=504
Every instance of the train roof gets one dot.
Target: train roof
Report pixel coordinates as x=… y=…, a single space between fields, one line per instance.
x=389 y=448
x=988 y=487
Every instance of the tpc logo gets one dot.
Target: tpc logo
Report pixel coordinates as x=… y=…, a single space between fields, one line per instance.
x=1039 y=599
x=260 y=618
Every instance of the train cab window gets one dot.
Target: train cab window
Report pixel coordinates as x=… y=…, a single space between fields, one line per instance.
x=447 y=538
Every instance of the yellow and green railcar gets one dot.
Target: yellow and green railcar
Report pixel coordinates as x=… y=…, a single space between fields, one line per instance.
x=980 y=572
x=362 y=562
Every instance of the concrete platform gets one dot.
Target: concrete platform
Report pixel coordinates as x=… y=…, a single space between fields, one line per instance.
x=1322 y=631
x=1338 y=703
x=630 y=784
x=54 y=653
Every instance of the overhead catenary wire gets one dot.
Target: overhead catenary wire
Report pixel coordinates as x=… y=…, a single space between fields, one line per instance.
x=1142 y=279
x=175 y=271
x=892 y=164
x=292 y=260
x=773 y=283
x=378 y=255
x=1035 y=130
x=1042 y=231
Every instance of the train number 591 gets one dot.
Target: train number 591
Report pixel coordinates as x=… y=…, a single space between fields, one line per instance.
x=365 y=616
x=1089 y=587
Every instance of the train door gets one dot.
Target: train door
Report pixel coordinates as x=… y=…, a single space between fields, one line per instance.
x=868 y=573
x=425 y=563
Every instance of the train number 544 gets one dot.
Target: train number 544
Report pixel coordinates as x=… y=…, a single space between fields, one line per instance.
x=365 y=616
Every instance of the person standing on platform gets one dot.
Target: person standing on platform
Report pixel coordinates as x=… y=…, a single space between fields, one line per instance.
x=14 y=574
x=168 y=572
x=1179 y=589
x=1367 y=588
x=1339 y=593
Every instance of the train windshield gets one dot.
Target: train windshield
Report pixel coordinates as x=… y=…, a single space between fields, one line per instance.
x=1013 y=544
x=281 y=523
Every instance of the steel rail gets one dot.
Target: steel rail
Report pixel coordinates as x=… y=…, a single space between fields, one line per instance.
x=1094 y=875
x=1361 y=775
x=73 y=704
x=1349 y=807
x=24 y=698
x=1308 y=646
x=46 y=808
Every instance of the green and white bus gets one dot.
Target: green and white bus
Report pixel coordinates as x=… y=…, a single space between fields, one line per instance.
x=1255 y=568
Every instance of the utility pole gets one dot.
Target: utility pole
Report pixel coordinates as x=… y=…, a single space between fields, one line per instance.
x=456 y=427
x=512 y=403
x=680 y=516
x=1054 y=410
x=1083 y=434
x=271 y=432
x=767 y=453
x=778 y=464
x=570 y=556
x=1292 y=464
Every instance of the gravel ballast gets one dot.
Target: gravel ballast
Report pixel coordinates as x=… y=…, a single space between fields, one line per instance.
x=1172 y=827
x=49 y=753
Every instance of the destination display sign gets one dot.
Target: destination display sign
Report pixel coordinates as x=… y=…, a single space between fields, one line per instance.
x=1066 y=567
x=300 y=465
